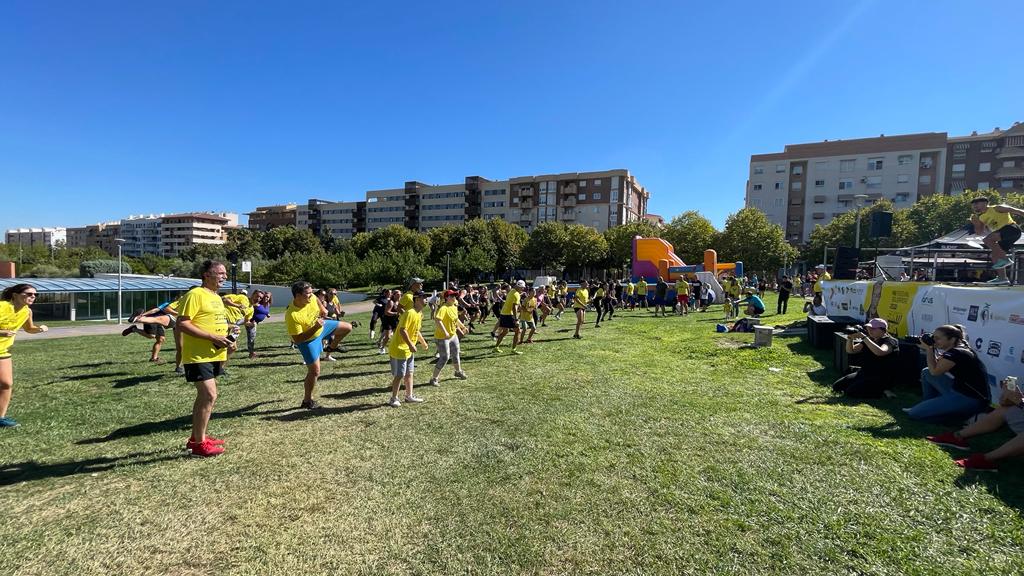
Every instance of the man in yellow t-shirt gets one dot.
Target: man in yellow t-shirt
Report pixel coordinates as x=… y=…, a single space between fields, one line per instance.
x=447 y=329
x=507 y=319
x=205 y=343
x=415 y=285
x=1001 y=230
x=630 y=294
x=402 y=349
x=683 y=295
x=822 y=276
x=641 y=292
x=561 y=295
x=580 y=299
x=307 y=324
x=15 y=314
x=528 y=303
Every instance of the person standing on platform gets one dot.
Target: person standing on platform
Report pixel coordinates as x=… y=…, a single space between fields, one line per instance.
x=1002 y=233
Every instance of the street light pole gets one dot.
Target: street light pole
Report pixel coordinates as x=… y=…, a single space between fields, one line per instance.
x=858 y=201
x=120 y=242
x=447 y=268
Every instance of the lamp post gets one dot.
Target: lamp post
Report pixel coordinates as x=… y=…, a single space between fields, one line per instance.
x=447 y=268
x=120 y=243
x=858 y=201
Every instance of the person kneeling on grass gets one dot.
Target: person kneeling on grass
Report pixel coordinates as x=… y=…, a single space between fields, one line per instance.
x=1010 y=412
x=955 y=383
x=307 y=324
x=402 y=349
x=875 y=350
x=447 y=330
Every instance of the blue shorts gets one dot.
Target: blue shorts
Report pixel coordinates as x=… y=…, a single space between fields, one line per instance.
x=402 y=367
x=311 y=350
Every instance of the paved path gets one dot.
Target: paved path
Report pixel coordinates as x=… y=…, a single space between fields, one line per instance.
x=87 y=328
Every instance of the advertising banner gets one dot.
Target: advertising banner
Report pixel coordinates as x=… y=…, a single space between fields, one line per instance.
x=845 y=298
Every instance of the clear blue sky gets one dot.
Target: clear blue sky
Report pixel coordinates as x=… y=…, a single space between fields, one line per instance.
x=111 y=108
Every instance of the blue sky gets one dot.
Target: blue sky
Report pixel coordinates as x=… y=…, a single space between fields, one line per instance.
x=116 y=108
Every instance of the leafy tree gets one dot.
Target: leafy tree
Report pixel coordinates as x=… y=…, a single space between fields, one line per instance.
x=749 y=237
x=509 y=242
x=90 y=268
x=393 y=238
x=247 y=243
x=547 y=246
x=585 y=247
x=287 y=240
x=690 y=234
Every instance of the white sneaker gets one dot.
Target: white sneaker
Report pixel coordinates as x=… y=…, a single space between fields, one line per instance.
x=372 y=334
x=380 y=350
x=394 y=403
x=330 y=358
x=434 y=382
x=413 y=399
x=461 y=375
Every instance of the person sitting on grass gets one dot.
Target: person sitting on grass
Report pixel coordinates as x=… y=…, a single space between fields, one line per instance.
x=307 y=324
x=955 y=383
x=402 y=350
x=1010 y=412
x=815 y=307
x=874 y=351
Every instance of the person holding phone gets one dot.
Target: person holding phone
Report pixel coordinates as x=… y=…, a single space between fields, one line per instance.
x=873 y=350
x=1010 y=412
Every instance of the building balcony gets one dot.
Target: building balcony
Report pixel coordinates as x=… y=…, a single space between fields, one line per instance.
x=1010 y=173
x=1011 y=152
x=569 y=200
x=568 y=215
x=526 y=204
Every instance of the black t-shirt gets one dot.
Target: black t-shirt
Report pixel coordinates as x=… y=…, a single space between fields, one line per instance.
x=661 y=289
x=872 y=365
x=785 y=288
x=969 y=375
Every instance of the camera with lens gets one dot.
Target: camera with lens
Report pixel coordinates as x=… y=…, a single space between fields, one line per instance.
x=925 y=337
x=854 y=329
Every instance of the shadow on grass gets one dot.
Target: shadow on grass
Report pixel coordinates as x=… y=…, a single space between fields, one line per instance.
x=356 y=393
x=173 y=424
x=302 y=414
x=268 y=364
x=94 y=376
x=31 y=470
x=337 y=375
x=136 y=380
x=92 y=365
x=1006 y=485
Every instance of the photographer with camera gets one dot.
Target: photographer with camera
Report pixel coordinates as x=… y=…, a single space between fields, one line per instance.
x=955 y=383
x=875 y=351
x=1010 y=412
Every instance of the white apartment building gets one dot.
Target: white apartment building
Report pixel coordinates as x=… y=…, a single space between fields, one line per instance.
x=142 y=235
x=27 y=237
x=810 y=184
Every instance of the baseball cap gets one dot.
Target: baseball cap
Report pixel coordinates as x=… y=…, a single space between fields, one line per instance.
x=415 y=280
x=820 y=266
x=521 y=284
x=877 y=323
x=450 y=293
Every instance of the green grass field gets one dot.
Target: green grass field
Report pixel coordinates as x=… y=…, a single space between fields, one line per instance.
x=653 y=446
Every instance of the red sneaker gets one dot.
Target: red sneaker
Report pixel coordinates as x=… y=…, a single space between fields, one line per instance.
x=211 y=439
x=205 y=449
x=950 y=440
x=977 y=462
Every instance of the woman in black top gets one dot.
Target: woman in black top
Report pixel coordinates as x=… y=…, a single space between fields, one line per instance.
x=378 y=309
x=955 y=383
x=873 y=351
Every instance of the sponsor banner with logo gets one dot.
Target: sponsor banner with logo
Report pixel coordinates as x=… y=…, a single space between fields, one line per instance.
x=845 y=298
x=894 y=304
x=929 y=309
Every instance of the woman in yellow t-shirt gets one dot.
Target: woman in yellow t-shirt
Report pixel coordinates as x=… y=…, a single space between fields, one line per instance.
x=15 y=314
x=580 y=299
x=447 y=329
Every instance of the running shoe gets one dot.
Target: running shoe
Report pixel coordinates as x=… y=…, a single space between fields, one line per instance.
x=128 y=330
x=950 y=440
x=998 y=282
x=330 y=358
x=135 y=316
x=977 y=462
x=461 y=375
x=310 y=405
x=7 y=423
x=215 y=441
x=434 y=382
x=393 y=402
x=373 y=335
x=414 y=399
x=380 y=350
x=205 y=449
x=179 y=369
x=577 y=336
x=1002 y=263
x=498 y=350
x=517 y=352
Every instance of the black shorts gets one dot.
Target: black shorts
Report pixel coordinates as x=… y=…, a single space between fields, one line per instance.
x=1008 y=236
x=203 y=371
x=507 y=321
x=154 y=330
x=496 y=309
x=389 y=323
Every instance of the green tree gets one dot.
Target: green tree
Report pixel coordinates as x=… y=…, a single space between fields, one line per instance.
x=586 y=248
x=393 y=238
x=287 y=240
x=509 y=242
x=749 y=237
x=90 y=268
x=546 y=248
x=690 y=234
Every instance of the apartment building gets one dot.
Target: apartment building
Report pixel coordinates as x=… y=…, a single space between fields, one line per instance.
x=100 y=235
x=265 y=218
x=994 y=160
x=597 y=199
x=810 y=184
x=28 y=237
x=142 y=235
x=179 y=232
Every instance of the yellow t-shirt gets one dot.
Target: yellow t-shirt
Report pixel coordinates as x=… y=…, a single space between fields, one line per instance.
x=205 y=310
x=563 y=291
x=580 y=298
x=10 y=320
x=526 y=310
x=234 y=314
x=630 y=289
x=298 y=319
x=682 y=288
x=994 y=220
x=447 y=314
x=336 y=302
x=734 y=288
x=641 y=288
x=406 y=301
x=817 y=285
x=599 y=293
x=411 y=320
x=511 y=300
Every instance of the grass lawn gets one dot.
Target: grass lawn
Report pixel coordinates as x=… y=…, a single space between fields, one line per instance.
x=653 y=446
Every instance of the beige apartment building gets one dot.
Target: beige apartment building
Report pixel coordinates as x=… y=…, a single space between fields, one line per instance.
x=179 y=232
x=101 y=235
x=265 y=218
x=596 y=199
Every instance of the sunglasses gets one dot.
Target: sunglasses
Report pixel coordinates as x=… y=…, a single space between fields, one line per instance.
x=29 y=294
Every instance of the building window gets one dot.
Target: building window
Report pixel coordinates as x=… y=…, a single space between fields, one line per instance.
x=903 y=179
x=797 y=186
x=778 y=202
x=758 y=169
x=1006 y=184
x=780 y=168
x=1009 y=164
x=846 y=184
x=875 y=163
x=924 y=179
x=901 y=197
x=847 y=165
x=597 y=182
x=926 y=162
x=819 y=183
x=583 y=183
x=597 y=210
x=988 y=146
x=778 y=185
x=873 y=181
x=581 y=196
x=982 y=185
x=596 y=196
x=905 y=159
x=758 y=187
x=984 y=166
x=798 y=170
x=959 y=168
